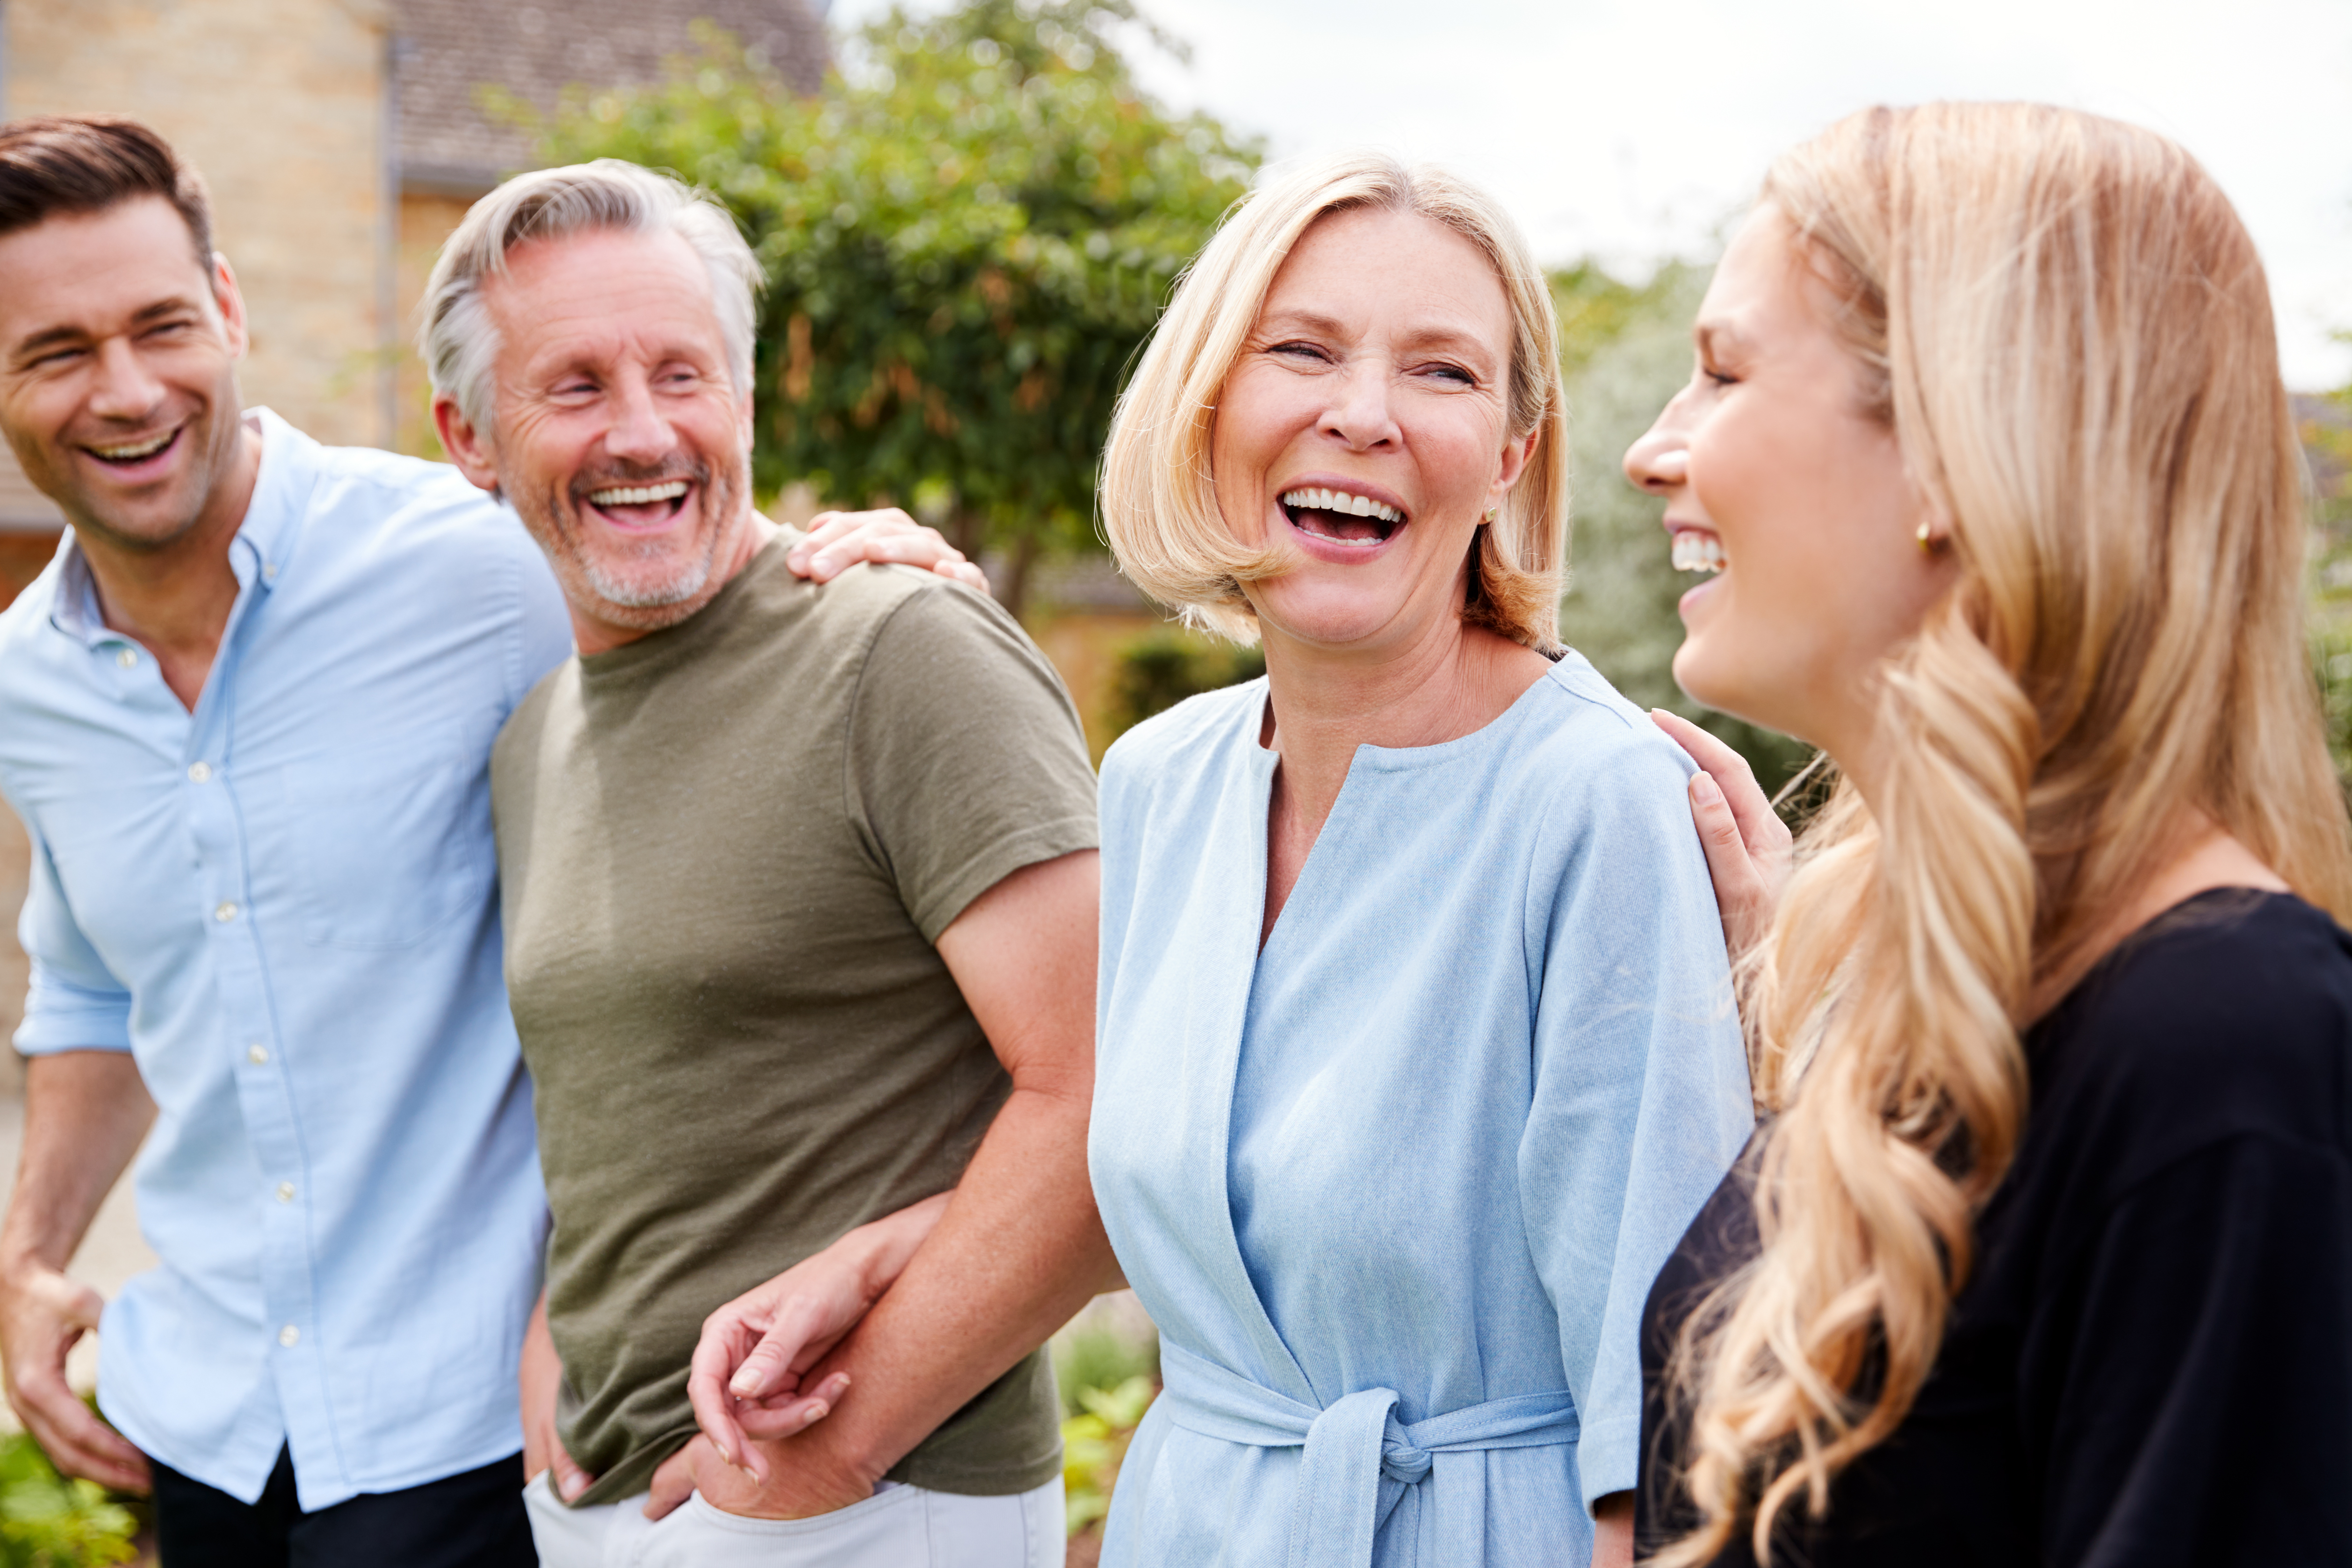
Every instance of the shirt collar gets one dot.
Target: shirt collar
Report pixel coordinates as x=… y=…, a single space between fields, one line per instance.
x=257 y=554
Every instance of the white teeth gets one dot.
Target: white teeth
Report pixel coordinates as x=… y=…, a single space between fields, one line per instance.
x=1343 y=503
x=137 y=449
x=640 y=495
x=1697 y=552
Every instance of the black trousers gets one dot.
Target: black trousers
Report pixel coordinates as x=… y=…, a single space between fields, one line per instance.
x=472 y=1521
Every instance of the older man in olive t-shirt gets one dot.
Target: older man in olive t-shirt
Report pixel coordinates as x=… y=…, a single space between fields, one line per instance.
x=799 y=895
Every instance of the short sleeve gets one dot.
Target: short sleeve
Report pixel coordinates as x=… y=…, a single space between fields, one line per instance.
x=2198 y=1403
x=1641 y=1097
x=966 y=759
x=74 y=1002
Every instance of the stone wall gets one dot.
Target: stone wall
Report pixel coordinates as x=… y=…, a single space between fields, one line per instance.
x=281 y=104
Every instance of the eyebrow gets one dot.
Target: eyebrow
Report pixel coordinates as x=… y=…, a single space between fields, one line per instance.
x=58 y=337
x=1427 y=337
x=1716 y=339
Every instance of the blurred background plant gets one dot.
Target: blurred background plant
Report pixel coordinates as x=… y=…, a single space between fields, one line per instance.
x=1107 y=1365
x=1625 y=350
x=49 y=1521
x=2327 y=427
x=967 y=233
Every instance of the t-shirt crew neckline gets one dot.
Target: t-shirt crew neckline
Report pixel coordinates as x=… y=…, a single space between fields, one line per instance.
x=613 y=662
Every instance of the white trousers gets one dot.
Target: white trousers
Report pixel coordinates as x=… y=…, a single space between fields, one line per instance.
x=897 y=1527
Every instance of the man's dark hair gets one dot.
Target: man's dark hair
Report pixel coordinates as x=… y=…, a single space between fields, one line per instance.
x=86 y=163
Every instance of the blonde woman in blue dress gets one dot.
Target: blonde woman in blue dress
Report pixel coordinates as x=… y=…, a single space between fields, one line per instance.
x=1416 y=1051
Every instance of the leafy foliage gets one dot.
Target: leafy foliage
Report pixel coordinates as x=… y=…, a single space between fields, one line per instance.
x=1109 y=1380
x=1627 y=350
x=2327 y=437
x=966 y=240
x=49 y=1521
x=1158 y=670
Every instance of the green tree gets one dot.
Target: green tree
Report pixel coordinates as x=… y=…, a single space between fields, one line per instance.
x=1626 y=348
x=966 y=239
x=2326 y=429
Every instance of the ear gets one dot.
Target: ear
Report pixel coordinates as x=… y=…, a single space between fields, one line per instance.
x=1515 y=453
x=231 y=302
x=470 y=449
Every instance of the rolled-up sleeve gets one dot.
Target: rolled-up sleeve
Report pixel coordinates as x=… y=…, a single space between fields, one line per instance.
x=74 y=1003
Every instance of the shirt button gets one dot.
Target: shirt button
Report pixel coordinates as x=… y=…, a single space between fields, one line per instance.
x=288 y=1335
x=257 y=1054
x=285 y=1192
x=224 y=911
x=199 y=771
x=126 y=658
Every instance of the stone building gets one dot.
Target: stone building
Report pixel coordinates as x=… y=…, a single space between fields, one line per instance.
x=341 y=140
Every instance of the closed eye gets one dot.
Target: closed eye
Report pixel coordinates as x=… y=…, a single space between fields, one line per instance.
x=1302 y=351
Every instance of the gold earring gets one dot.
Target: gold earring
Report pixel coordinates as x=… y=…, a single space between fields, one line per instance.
x=1926 y=538
x=1491 y=511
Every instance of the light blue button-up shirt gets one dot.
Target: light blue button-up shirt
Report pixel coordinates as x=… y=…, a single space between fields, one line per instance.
x=285 y=906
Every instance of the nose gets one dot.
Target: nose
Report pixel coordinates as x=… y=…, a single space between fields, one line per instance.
x=1359 y=412
x=1660 y=460
x=125 y=389
x=638 y=433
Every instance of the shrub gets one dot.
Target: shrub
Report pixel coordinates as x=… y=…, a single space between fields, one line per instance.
x=49 y=1521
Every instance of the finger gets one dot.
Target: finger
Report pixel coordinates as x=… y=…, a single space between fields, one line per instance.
x=965 y=572
x=801 y=1330
x=706 y=1389
x=1727 y=860
x=82 y=1444
x=570 y=1480
x=673 y=1484
x=1758 y=823
x=766 y=1423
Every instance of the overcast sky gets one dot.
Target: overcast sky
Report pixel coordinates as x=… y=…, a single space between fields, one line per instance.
x=1631 y=129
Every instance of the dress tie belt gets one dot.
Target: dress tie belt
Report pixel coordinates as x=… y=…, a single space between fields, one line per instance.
x=1359 y=1459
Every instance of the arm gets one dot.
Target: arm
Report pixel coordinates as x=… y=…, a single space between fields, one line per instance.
x=1019 y=1247
x=839 y=541
x=85 y=1112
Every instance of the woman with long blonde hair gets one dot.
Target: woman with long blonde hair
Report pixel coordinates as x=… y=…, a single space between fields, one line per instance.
x=2043 y=1252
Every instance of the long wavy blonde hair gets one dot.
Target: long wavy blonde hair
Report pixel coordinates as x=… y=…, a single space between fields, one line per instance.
x=2069 y=331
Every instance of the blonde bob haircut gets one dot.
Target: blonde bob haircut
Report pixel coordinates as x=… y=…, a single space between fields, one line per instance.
x=2067 y=328
x=1158 y=502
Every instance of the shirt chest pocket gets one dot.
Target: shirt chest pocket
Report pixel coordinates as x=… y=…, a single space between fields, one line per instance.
x=379 y=848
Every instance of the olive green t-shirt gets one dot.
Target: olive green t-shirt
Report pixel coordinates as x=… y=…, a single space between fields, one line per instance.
x=725 y=851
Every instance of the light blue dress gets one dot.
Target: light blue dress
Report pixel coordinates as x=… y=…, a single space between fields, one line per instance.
x=1394 y=1190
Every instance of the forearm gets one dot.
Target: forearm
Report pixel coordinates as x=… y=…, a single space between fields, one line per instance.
x=85 y=1112
x=1018 y=1250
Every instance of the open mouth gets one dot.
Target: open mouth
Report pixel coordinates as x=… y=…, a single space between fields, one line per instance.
x=640 y=505
x=1341 y=517
x=128 y=453
x=1698 y=552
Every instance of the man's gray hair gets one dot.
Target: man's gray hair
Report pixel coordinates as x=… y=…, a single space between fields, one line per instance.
x=459 y=341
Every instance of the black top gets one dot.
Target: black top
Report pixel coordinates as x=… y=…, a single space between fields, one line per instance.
x=2152 y=1363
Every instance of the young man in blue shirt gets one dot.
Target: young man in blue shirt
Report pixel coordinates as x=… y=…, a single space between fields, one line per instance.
x=246 y=717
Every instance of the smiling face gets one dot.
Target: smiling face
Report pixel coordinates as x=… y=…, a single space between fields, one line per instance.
x=1362 y=433
x=117 y=369
x=1791 y=497
x=618 y=433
